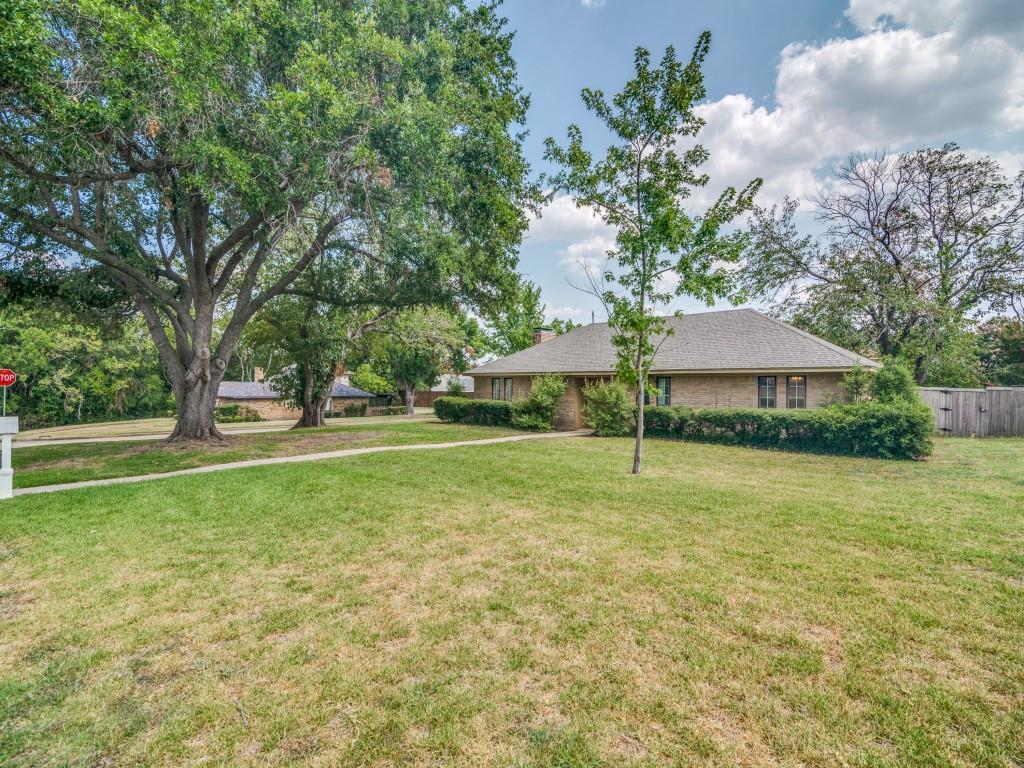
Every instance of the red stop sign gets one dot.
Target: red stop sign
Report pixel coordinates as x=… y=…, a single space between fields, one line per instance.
x=7 y=377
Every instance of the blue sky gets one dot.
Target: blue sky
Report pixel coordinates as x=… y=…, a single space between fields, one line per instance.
x=793 y=87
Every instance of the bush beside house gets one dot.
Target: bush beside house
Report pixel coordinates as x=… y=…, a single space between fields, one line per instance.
x=536 y=412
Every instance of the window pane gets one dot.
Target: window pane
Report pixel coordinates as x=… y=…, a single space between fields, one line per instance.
x=796 y=391
x=664 y=385
x=765 y=391
x=495 y=389
x=508 y=389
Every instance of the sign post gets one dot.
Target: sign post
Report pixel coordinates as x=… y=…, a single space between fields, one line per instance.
x=8 y=428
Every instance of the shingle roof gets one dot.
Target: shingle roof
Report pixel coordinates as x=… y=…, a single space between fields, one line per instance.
x=738 y=339
x=261 y=390
x=446 y=379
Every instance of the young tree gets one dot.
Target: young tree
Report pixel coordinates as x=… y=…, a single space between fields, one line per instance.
x=915 y=245
x=178 y=148
x=1002 y=357
x=640 y=187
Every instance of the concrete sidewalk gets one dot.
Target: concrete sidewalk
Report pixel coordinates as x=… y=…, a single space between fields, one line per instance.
x=294 y=459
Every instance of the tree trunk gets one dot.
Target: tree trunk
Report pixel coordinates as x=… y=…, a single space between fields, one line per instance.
x=410 y=400
x=196 y=400
x=312 y=413
x=638 y=449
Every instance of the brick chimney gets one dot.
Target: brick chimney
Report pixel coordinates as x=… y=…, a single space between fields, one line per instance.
x=542 y=334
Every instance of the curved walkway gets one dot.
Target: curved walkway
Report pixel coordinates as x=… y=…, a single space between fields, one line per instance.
x=292 y=460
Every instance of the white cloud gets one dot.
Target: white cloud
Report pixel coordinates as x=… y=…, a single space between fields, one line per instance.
x=919 y=73
x=561 y=219
x=592 y=3
x=566 y=313
x=588 y=255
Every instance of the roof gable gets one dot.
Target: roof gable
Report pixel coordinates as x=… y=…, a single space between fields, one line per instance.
x=738 y=339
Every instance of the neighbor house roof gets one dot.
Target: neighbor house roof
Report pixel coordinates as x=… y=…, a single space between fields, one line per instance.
x=261 y=390
x=738 y=339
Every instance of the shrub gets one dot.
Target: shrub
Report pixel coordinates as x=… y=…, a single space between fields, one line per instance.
x=235 y=413
x=455 y=388
x=537 y=411
x=608 y=409
x=893 y=382
x=895 y=430
x=465 y=410
x=354 y=409
x=856 y=384
x=387 y=410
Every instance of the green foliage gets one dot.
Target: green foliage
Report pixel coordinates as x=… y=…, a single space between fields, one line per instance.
x=206 y=156
x=455 y=388
x=71 y=373
x=368 y=380
x=1002 y=356
x=893 y=382
x=421 y=344
x=387 y=410
x=236 y=413
x=354 y=409
x=512 y=325
x=856 y=384
x=640 y=188
x=913 y=246
x=608 y=408
x=900 y=429
x=464 y=410
x=537 y=410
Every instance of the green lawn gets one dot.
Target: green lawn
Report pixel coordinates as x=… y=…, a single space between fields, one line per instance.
x=524 y=604
x=51 y=464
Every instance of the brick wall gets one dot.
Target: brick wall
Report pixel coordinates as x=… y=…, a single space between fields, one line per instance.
x=740 y=390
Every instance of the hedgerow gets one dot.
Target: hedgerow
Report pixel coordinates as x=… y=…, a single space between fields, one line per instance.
x=900 y=429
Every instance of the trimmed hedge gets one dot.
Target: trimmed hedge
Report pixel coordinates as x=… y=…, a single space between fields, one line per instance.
x=464 y=410
x=896 y=430
x=235 y=413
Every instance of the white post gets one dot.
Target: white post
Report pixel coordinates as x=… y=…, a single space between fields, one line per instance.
x=8 y=428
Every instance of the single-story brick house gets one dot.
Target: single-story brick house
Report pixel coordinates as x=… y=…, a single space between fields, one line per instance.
x=262 y=398
x=739 y=358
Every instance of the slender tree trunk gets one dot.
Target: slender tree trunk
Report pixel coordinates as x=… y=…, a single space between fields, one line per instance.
x=641 y=393
x=410 y=400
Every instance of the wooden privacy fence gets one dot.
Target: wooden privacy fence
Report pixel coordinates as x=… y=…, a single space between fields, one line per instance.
x=994 y=412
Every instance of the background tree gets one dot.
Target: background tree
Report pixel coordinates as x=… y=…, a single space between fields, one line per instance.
x=419 y=346
x=178 y=148
x=915 y=245
x=512 y=326
x=640 y=188
x=1002 y=358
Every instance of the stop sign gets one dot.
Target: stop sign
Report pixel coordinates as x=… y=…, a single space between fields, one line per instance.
x=7 y=377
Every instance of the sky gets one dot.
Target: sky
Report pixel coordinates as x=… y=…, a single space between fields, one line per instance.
x=794 y=87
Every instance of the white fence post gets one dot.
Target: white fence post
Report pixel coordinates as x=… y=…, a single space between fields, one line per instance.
x=8 y=429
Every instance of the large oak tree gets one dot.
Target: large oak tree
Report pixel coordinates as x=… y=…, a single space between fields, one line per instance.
x=181 y=144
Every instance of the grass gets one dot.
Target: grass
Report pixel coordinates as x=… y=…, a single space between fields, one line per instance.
x=50 y=464
x=524 y=605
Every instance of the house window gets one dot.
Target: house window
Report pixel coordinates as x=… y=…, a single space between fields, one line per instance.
x=765 y=391
x=664 y=387
x=796 y=391
x=508 y=389
x=495 y=389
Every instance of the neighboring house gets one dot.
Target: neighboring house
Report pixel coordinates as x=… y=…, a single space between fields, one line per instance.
x=425 y=399
x=262 y=398
x=739 y=357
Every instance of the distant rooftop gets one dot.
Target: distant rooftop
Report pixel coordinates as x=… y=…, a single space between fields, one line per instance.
x=737 y=339
x=261 y=390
